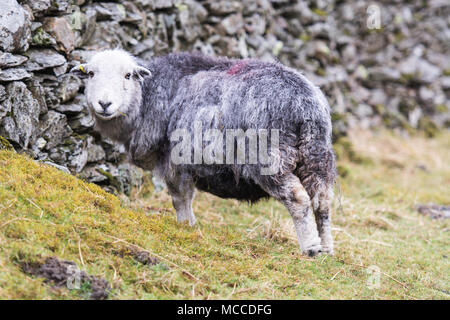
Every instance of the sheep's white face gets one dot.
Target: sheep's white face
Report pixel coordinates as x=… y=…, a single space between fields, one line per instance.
x=113 y=83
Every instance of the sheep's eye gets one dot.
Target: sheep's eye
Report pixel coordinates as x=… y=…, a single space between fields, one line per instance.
x=127 y=76
x=90 y=74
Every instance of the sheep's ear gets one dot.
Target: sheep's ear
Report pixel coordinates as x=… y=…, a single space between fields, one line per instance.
x=140 y=73
x=80 y=70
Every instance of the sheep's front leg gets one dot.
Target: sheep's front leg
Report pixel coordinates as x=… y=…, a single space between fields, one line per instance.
x=182 y=193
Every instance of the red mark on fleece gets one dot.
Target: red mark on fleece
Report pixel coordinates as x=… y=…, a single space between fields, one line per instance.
x=236 y=68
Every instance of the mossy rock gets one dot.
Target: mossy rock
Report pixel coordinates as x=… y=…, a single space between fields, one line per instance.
x=321 y=72
x=41 y=38
x=396 y=120
x=319 y=12
x=379 y=108
x=441 y=108
x=429 y=127
x=113 y=181
x=5 y=144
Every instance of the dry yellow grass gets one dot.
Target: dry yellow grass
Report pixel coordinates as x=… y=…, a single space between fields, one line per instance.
x=238 y=250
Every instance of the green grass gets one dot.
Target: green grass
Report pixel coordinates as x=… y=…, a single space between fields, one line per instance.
x=236 y=251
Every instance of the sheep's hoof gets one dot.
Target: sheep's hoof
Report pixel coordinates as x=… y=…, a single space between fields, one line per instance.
x=328 y=251
x=313 y=251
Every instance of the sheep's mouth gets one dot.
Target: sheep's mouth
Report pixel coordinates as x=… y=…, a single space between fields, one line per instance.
x=104 y=115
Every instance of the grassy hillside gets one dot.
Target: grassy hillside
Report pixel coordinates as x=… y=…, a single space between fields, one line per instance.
x=236 y=250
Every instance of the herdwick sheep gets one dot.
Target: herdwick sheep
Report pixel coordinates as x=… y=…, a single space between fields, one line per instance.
x=146 y=107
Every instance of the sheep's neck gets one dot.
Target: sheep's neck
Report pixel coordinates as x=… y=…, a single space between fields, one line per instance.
x=118 y=129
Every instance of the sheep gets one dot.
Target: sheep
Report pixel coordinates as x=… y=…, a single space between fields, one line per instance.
x=187 y=96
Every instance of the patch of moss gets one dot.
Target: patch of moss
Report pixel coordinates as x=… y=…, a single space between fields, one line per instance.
x=441 y=108
x=5 y=144
x=111 y=179
x=41 y=38
x=429 y=127
x=396 y=120
x=379 y=108
x=399 y=36
x=305 y=37
x=319 y=12
x=343 y=171
x=344 y=150
x=321 y=72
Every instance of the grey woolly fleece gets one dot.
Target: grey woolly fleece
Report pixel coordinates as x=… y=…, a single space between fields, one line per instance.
x=225 y=93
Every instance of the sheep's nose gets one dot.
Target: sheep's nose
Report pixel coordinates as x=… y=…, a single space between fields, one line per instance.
x=104 y=104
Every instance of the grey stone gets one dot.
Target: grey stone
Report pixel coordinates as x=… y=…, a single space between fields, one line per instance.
x=77 y=158
x=363 y=111
x=2 y=93
x=197 y=10
x=109 y=11
x=384 y=74
x=22 y=115
x=189 y=19
x=86 y=28
x=40 y=143
x=43 y=59
x=68 y=87
x=76 y=107
x=38 y=93
x=161 y=4
x=82 y=55
x=60 y=29
x=57 y=166
x=319 y=29
x=255 y=24
x=15 y=27
x=82 y=123
x=225 y=7
x=8 y=60
x=60 y=70
x=14 y=74
x=377 y=97
x=420 y=70
x=95 y=152
x=108 y=34
x=129 y=177
x=414 y=117
x=426 y=94
x=54 y=129
x=445 y=82
x=91 y=173
x=232 y=24
x=39 y=7
x=434 y=211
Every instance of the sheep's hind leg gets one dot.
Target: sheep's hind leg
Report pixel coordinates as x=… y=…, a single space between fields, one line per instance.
x=294 y=196
x=322 y=211
x=182 y=193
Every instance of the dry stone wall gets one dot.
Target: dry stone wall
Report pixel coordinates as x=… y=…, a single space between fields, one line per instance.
x=396 y=74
